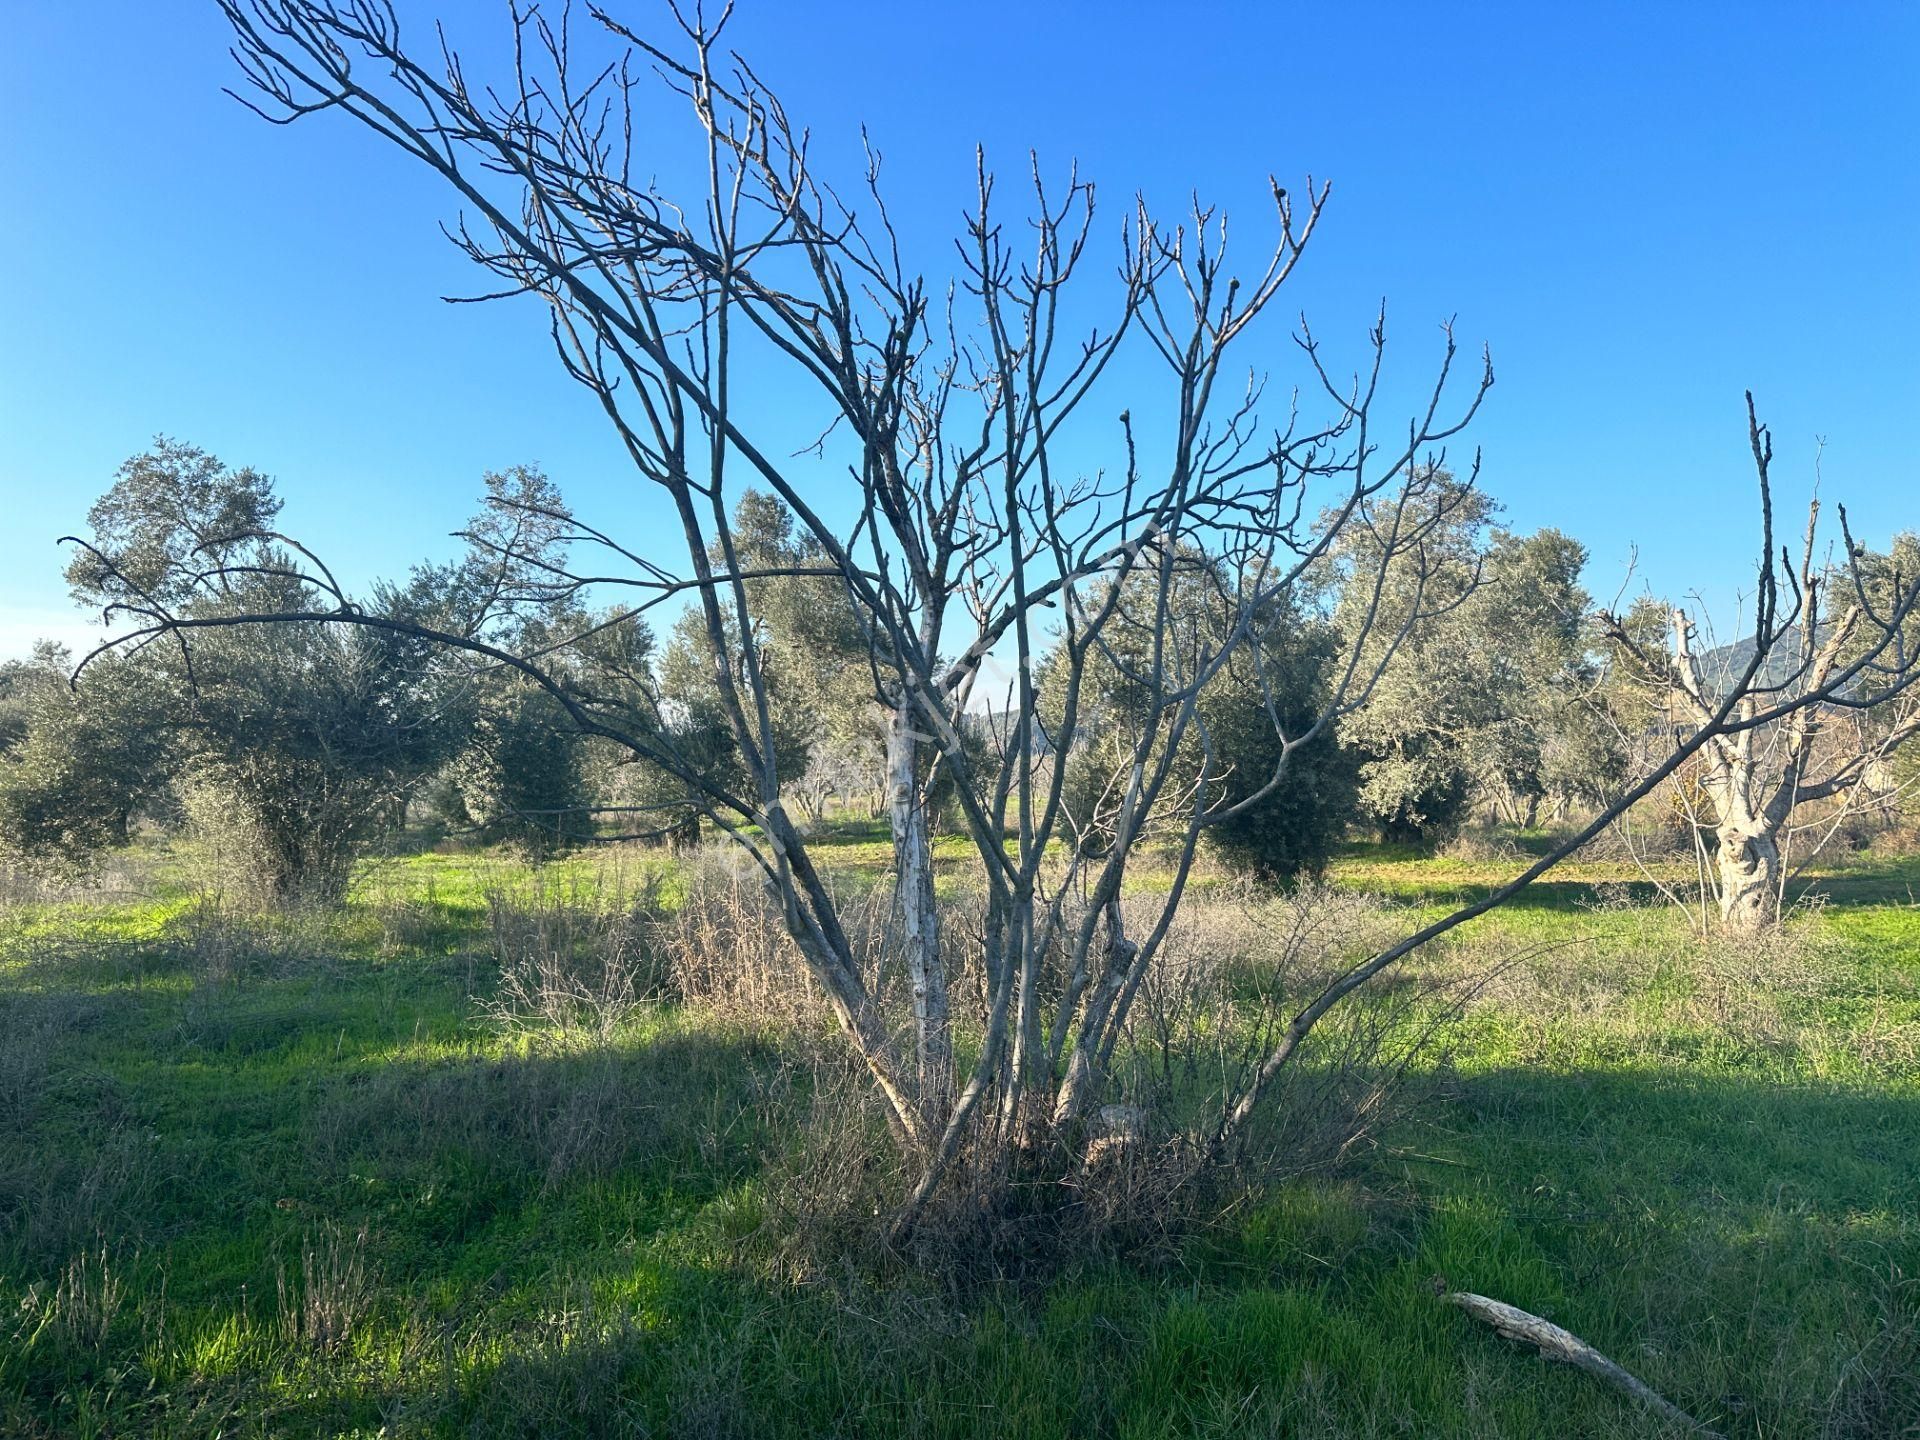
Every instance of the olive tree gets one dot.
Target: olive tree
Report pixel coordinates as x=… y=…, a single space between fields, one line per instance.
x=1834 y=702
x=1275 y=686
x=78 y=762
x=1492 y=701
x=300 y=738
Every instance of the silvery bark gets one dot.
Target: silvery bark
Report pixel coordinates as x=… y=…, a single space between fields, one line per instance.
x=1749 y=868
x=918 y=915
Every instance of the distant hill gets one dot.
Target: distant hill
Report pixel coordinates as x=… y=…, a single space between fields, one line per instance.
x=1721 y=666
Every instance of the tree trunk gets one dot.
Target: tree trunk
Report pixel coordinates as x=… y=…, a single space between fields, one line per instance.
x=919 y=922
x=1083 y=1077
x=1749 y=881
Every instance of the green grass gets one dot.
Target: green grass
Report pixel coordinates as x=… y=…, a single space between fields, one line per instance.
x=1706 y=1162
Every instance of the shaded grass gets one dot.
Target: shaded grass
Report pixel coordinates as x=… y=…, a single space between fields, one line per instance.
x=1702 y=1161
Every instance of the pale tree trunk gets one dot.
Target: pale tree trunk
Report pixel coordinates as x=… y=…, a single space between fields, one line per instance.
x=1749 y=862
x=1083 y=1077
x=919 y=921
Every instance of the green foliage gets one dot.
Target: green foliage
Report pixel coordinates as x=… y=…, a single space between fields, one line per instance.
x=1555 y=739
x=1294 y=828
x=521 y=774
x=1283 y=812
x=302 y=738
x=1492 y=693
x=1437 y=682
x=527 y=771
x=172 y=513
x=311 y=735
x=77 y=763
x=1882 y=578
x=806 y=642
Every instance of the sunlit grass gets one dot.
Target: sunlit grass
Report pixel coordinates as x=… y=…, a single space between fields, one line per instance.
x=1701 y=1158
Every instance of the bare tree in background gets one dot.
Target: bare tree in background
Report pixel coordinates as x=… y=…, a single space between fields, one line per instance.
x=1838 y=686
x=968 y=522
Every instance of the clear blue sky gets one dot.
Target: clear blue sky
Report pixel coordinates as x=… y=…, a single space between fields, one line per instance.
x=1642 y=209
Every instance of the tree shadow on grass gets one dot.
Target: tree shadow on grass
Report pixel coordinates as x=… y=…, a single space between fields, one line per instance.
x=449 y=1195
x=1737 y=1244
x=1746 y=1246
x=1559 y=896
x=559 y=1242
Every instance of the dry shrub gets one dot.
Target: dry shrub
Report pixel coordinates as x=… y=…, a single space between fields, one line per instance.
x=834 y=1174
x=544 y=1116
x=218 y=951
x=728 y=950
x=219 y=944
x=410 y=921
x=113 y=876
x=1136 y=1187
x=1749 y=985
x=566 y=1370
x=225 y=952
x=319 y=1307
x=1020 y=1200
x=81 y=1308
x=832 y=1178
x=517 y=1116
x=1656 y=829
x=1885 y=1041
x=1479 y=843
x=409 y=926
x=28 y=1037
x=49 y=1210
x=1589 y=983
x=585 y=1127
x=570 y=972
x=1236 y=968
x=49 y=1207
x=87 y=1300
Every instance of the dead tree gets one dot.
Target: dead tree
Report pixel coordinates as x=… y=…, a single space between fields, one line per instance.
x=959 y=492
x=1828 y=739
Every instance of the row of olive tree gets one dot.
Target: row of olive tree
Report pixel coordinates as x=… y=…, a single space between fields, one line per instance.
x=306 y=741
x=302 y=743
x=1496 y=701
x=299 y=745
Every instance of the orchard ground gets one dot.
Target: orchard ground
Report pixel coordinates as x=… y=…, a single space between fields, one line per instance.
x=289 y=1176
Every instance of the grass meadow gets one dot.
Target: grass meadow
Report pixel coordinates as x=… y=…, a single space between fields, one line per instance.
x=310 y=1175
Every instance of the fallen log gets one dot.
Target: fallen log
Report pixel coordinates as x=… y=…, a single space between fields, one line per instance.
x=1557 y=1344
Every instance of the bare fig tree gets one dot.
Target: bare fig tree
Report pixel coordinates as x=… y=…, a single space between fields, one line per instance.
x=1827 y=740
x=963 y=495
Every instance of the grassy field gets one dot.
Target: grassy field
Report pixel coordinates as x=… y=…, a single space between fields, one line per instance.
x=285 y=1177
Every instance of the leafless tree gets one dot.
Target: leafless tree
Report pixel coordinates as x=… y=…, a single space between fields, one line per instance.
x=968 y=520
x=1817 y=722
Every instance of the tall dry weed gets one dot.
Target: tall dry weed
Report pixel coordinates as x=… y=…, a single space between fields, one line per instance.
x=572 y=970
x=321 y=1304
